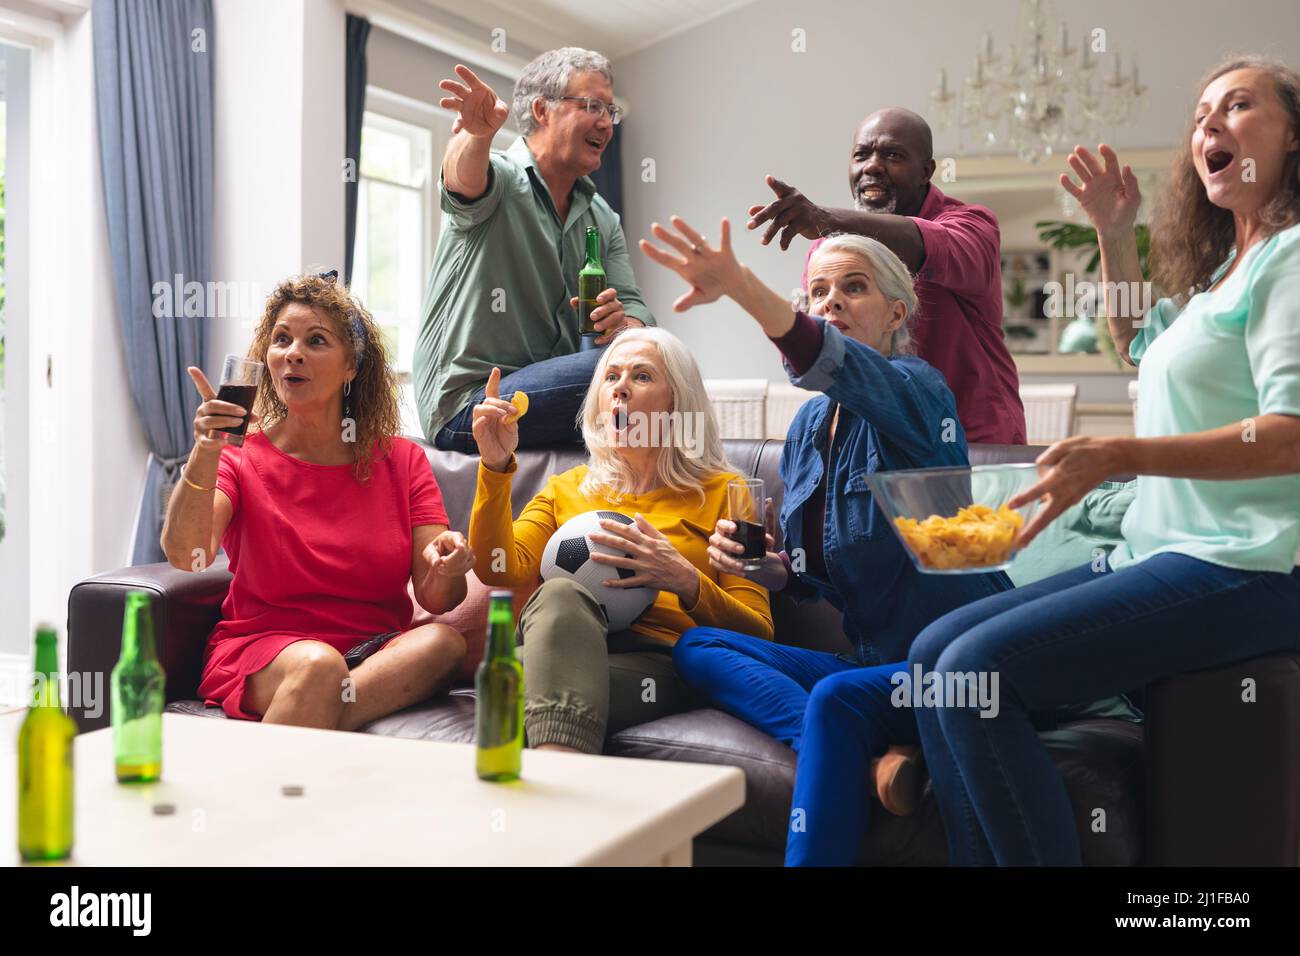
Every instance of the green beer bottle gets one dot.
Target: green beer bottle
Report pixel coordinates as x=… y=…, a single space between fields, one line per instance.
x=45 y=790
x=138 y=684
x=591 y=283
x=499 y=714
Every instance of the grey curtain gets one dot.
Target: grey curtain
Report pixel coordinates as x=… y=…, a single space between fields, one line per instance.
x=355 y=96
x=609 y=178
x=153 y=87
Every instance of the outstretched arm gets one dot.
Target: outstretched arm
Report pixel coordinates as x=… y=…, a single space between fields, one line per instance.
x=856 y=375
x=792 y=214
x=479 y=114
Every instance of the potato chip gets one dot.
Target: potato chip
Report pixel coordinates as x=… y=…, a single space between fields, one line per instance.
x=975 y=537
x=520 y=401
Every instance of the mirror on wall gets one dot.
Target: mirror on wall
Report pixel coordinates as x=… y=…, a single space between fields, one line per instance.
x=1042 y=328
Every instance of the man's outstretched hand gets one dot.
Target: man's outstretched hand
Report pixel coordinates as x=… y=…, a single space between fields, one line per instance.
x=791 y=213
x=479 y=111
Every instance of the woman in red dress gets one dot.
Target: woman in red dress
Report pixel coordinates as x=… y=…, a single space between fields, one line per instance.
x=326 y=515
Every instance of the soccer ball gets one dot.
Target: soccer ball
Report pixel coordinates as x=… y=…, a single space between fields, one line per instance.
x=568 y=554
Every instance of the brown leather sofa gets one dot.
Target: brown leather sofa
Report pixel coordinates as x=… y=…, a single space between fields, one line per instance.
x=1216 y=781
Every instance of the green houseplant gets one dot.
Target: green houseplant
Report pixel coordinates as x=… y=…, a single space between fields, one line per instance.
x=1069 y=236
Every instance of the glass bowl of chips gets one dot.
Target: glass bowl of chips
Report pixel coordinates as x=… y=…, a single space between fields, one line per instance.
x=956 y=520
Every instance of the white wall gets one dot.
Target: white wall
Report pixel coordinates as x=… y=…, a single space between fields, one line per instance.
x=88 y=448
x=719 y=106
x=279 y=143
x=403 y=66
x=278 y=208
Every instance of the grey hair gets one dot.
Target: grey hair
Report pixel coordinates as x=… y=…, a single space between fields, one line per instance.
x=678 y=467
x=548 y=76
x=891 y=276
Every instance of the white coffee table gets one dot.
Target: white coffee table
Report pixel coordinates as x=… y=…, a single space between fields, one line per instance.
x=371 y=800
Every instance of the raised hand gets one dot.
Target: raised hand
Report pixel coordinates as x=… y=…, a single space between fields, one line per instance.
x=792 y=212
x=496 y=426
x=479 y=111
x=1107 y=193
x=213 y=414
x=710 y=272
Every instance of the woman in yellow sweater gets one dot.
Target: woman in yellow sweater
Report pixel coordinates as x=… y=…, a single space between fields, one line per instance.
x=655 y=456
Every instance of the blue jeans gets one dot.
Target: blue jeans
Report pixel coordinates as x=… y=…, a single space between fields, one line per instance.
x=556 y=389
x=1077 y=636
x=834 y=713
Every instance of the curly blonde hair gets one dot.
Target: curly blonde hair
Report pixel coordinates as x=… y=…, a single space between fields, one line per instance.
x=373 y=397
x=1190 y=236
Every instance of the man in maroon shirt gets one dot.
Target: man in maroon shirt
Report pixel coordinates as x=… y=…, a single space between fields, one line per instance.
x=952 y=248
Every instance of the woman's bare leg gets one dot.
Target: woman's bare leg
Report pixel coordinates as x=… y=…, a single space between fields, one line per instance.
x=405 y=671
x=303 y=686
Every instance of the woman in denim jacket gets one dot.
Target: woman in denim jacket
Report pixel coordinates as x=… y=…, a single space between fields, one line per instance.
x=880 y=410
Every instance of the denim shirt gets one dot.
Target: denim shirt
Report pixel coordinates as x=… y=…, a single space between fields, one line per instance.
x=894 y=413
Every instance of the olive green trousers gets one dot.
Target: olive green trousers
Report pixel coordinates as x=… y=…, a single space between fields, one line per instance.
x=580 y=682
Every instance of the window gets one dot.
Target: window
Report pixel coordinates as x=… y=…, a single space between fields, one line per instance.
x=395 y=229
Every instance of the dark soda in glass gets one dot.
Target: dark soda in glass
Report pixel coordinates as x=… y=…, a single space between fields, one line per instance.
x=753 y=537
x=241 y=395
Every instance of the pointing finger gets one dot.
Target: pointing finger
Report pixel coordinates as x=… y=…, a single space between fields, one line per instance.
x=778 y=187
x=206 y=391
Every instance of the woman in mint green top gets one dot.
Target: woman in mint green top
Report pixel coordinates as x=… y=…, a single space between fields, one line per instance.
x=1206 y=575
x=1232 y=357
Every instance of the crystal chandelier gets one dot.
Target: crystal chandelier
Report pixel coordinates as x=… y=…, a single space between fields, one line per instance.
x=1041 y=96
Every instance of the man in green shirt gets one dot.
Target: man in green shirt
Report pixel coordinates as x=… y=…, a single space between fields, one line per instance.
x=505 y=275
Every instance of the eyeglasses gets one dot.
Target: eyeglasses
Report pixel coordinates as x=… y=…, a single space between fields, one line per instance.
x=595 y=107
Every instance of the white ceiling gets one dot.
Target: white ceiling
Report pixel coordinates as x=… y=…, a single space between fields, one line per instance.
x=615 y=28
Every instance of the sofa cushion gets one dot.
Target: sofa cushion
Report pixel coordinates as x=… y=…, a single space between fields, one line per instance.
x=1078 y=535
x=469 y=618
x=448 y=717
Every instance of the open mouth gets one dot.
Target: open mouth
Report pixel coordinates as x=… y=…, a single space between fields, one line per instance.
x=874 y=192
x=1217 y=160
x=619 y=413
x=294 y=380
x=595 y=142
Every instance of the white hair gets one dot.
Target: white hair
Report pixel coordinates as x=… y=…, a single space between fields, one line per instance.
x=891 y=276
x=548 y=77
x=678 y=467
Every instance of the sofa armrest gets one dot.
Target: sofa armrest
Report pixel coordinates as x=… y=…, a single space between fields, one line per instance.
x=186 y=607
x=1223 y=773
